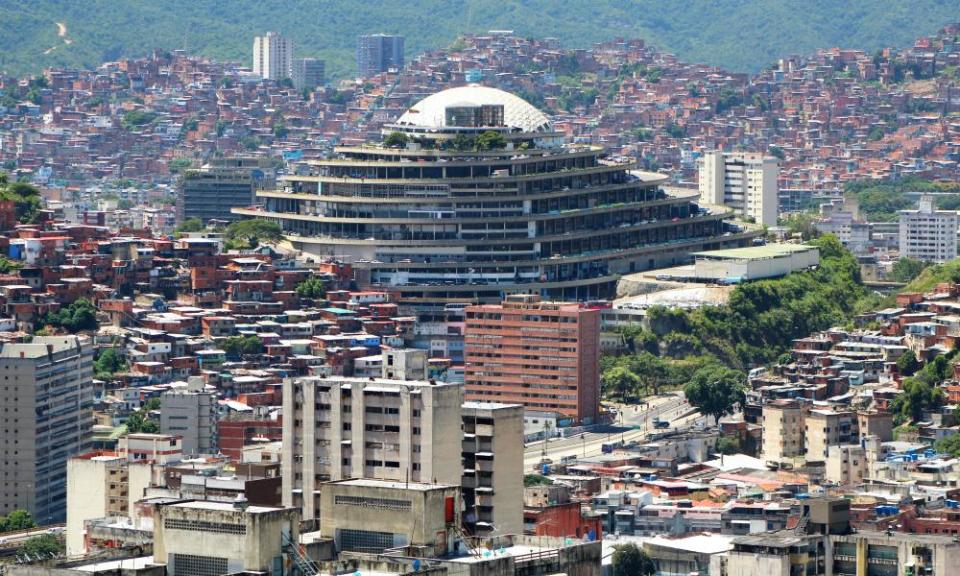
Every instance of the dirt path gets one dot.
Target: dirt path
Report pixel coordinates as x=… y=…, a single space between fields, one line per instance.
x=62 y=33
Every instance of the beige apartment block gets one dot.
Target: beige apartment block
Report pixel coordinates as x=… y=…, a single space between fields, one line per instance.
x=338 y=428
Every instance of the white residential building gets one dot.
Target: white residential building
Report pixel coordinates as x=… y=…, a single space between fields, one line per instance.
x=744 y=182
x=191 y=413
x=273 y=56
x=927 y=234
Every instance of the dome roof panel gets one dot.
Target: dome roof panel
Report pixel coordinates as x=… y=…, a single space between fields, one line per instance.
x=517 y=112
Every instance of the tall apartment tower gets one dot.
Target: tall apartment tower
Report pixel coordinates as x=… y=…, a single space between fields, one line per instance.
x=744 y=182
x=492 y=482
x=928 y=234
x=543 y=355
x=378 y=53
x=336 y=428
x=191 y=413
x=308 y=73
x=272 y=56
x=47 y=417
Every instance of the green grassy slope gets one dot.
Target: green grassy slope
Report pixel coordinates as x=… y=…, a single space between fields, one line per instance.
x=739 y=34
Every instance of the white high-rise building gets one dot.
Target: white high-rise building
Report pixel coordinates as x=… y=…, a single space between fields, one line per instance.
x=273 y=56
x=745 y=182
x=927 y=234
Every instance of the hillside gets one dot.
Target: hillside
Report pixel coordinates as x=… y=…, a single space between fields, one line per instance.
x=738 y=35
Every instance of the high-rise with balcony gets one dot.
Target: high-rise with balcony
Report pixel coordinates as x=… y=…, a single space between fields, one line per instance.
x=378 y=53
x=744 y=182
x=47 y=417
x=473 y=195
x=543 y=355
x=492 y=482
x=272 y=56
x=338 y=428
x=928 y=234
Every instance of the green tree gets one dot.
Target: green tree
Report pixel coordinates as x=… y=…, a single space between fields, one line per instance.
x=917 y=398
x=179 y=164
x=139 y=421
x=536 y=480
x=236 y=346
x=250 y=143
x=137 y=118
x=630 y=560
x=312 y=288
x=108 y=363
x=43 y=546
x=7 y=265
x=74 y=317
x=716 y=391
x=949 y=445
x=395 y=140
x=906 y=269
x=728 y=445
x=620 y=382
x=19 y=520
x=249 y=233
x=25 y=197
x=189 y=225
x=490 y=140
x=907 y=363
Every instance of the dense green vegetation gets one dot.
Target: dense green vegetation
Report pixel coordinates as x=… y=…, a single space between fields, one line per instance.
x=906 y=269
x=188 y=225
x=881 y=200
x=717 y=391
x=74 y=317
x=755 y=327
x=139 y=420
x=237 y=346
x=928 y=279
x=949 y=445
x=7 y=265
x=535 y=480
x=178 y=165
x=108 y=363
x=311 y=288
x=250 y=233
x=630 y=560
x=16 y=520
x=136 y=118
x=26 y=199
x=43 y=546
x=921 y=391
x=700 y=31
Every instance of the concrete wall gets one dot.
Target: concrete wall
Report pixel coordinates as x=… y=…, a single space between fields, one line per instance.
x=421 y=523
x=252 y=550
x=86 y=499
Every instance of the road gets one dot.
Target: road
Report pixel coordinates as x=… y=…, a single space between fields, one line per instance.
x=633 y=423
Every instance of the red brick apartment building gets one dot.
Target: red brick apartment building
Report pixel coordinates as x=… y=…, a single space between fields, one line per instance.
x=544 y=355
